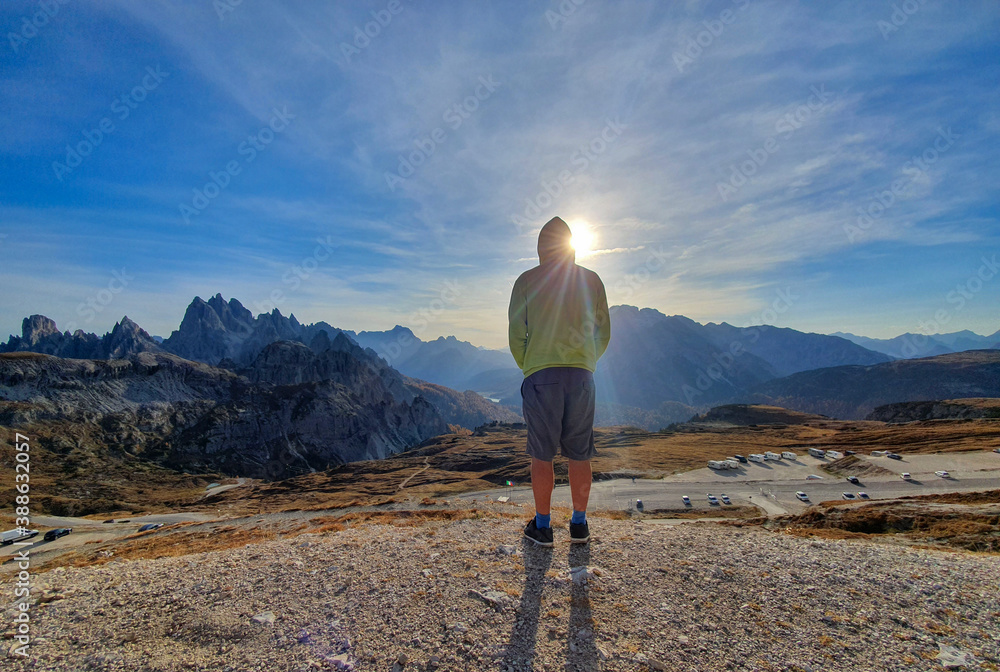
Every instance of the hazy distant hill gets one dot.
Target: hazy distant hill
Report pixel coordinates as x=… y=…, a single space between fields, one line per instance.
x=852 y=392
x=909 y=345
x=445 y=360
x=654 y=358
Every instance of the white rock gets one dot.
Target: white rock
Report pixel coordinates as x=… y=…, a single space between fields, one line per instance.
x=265 y=617
x=953 y=657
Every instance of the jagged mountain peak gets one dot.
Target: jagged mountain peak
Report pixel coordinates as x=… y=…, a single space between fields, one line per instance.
x=37 y=327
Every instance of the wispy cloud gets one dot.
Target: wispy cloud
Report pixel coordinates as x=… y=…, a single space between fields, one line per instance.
x=744 y=111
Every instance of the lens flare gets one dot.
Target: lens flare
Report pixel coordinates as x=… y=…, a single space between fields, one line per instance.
x=583 y=241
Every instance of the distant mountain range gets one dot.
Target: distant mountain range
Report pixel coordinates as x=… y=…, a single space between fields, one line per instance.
x=910 y=346
x=294 y=409
x=658 y=369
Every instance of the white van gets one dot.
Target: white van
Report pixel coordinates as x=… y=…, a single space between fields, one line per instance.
x=755 y=457
x=732 y=464
x=788 y=455
x=717 y=464
x=816 y=452
x=879 y=453
x=11 y=536
x=834 y=454
x=771 y=456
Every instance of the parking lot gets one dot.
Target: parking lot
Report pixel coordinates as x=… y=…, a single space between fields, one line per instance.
x=772 y=485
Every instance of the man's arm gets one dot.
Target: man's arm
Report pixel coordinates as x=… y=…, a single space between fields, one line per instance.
x=602 y=320
x=517 y=324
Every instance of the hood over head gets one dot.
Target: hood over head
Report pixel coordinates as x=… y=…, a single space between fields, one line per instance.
x=554 y=243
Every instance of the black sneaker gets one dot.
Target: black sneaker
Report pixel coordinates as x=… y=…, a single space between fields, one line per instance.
x=540 y=535
x=579 y=533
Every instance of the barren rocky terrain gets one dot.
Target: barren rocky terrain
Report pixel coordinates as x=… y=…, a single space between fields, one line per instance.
x=466 y=594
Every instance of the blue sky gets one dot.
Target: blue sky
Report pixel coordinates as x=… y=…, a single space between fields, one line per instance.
x=836 y=161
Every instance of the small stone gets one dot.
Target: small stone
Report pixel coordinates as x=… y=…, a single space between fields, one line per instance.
x=658 y=665
x=264 y=618
x=954 y=657
x=402 y=659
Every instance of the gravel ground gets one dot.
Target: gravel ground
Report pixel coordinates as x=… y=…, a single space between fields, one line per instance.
x=469 y=595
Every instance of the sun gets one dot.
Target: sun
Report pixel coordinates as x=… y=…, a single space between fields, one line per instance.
x=583 y=241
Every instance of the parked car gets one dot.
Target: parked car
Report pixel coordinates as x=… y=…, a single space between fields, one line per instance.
x=853 y=479
x=803 y=496
x=863 y=495
x=894 y=456
x=712 y=500
x=942 y=474
x=848 y=495
x=906 y=476
x=686 y=500
x=850 y=452
x=150 y=526
x=725 y=499
x=56 y=533
x=741 y=458
x=996 y=450
x=17 y=534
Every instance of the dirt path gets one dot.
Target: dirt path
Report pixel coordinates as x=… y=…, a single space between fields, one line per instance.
x=427 y=465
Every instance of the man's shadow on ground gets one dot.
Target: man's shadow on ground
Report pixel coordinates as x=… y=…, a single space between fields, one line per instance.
x=524 y=634
x=581 y=643
x=581 y=647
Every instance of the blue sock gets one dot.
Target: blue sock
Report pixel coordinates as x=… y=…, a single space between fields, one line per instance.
x=578 y=517
x=543 y=521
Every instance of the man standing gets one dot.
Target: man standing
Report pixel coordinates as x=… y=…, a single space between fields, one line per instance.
x=558 y=327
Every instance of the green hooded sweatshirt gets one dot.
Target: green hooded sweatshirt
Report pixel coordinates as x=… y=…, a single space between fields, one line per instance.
x=558 y=314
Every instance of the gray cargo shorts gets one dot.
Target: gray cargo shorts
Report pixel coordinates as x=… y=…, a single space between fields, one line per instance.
x=558 y=407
